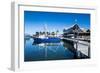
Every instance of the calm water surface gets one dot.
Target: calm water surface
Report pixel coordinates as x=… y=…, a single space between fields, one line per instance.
x=47 y=51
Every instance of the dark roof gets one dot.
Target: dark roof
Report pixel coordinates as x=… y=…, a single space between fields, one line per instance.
x=88 y=30
x=73 y=29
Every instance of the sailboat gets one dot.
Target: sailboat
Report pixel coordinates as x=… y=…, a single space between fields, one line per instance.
x=45 y=38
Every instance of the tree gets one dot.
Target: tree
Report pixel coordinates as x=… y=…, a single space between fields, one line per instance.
x=53 y=33
x=37 y=33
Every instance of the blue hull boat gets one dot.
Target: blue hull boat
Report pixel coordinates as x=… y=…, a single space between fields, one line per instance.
x=47 y=40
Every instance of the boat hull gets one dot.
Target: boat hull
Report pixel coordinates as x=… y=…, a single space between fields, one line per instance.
x=47 y=40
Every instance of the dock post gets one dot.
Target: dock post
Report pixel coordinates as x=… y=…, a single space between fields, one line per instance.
x=76 y=49
x=89 y=51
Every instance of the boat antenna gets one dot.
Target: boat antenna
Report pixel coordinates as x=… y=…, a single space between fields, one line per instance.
x=45 y=29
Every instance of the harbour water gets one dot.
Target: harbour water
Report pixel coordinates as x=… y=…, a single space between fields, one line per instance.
x=50 y=51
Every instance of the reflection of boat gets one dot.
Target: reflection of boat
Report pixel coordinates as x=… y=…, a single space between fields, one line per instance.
x=47 y=44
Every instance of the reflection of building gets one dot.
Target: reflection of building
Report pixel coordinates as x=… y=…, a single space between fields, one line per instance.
x=76 y=32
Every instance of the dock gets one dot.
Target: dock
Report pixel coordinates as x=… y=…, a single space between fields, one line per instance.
x=83 y=47
x=77 y=41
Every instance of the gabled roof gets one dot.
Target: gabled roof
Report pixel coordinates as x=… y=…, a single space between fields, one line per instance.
x=73 y=29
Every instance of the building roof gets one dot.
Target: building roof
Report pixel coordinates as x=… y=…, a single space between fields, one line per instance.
x=73 y=29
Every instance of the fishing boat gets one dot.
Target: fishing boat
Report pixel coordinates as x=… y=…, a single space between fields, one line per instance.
x=46 y=39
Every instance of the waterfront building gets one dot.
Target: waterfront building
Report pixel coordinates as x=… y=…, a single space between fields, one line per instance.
x=76 y=32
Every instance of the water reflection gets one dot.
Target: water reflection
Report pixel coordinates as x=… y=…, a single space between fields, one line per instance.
x=50 y=51
x=70 y=46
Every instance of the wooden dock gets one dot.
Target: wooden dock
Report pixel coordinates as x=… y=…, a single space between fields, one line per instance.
x=77 y=41
x=79 y=45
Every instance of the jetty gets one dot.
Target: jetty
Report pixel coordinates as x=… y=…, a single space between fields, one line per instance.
x=80 y=46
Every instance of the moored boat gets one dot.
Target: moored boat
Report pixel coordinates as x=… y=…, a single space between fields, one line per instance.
x=47 y=40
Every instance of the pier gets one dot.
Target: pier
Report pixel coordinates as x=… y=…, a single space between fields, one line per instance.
x=82 y=47
x=77 y=41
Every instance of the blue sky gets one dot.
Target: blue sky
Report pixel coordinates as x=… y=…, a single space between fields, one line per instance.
x=35 y=21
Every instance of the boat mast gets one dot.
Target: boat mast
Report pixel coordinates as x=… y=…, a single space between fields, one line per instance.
x=45 y=29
